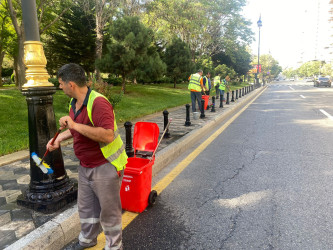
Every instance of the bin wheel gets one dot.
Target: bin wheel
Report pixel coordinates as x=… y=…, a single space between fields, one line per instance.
x=152 y=197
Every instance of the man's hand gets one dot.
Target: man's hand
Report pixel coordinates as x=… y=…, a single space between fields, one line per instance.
x=66 y=122
x=54 y=146
x=61 y=137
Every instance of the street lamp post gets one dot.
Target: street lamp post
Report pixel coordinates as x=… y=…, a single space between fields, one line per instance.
x=259 y=23
x=45 y=193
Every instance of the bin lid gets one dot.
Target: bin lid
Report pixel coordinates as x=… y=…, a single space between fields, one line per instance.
x=145 y=137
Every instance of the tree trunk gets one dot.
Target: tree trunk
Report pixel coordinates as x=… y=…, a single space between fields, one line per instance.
x=99 y=35
x=15 y=71
x=123 y=85
x=98 y=54
x=19 y=58
x=20 y=70
x=174 y=84
x=2 y=55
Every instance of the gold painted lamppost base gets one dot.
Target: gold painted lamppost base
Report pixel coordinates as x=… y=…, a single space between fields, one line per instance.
x=35 y=61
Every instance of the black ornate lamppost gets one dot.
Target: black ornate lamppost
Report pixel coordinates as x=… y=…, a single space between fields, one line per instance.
x=259 y=23
x=46 y=193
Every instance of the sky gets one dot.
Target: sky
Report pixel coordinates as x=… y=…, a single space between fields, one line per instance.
x=293 y=31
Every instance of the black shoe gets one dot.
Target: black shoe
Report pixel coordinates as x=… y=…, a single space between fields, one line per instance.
x=77 y=246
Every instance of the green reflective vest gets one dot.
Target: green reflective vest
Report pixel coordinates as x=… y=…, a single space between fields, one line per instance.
x=114 y=151
x=222 y=85
x=195 y=82
x=216 y=80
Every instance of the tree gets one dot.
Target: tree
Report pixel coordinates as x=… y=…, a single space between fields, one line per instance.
x=19 y=66
x=242 y=60
x=270 y=67
x=48 y=13
x=311 y=68
x=327 y=69
x=73 y=41
x=205 y=63
x=223 y=70
x=289 y=72
x=206 y=26
x=104 y=11
x=6 y=35
x=182 y=18
x=178 y=60
x=153 y=68
x=128 y=49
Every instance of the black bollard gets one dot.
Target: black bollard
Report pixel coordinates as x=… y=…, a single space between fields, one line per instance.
x=236 y=94
x=129 y=146
x=232 y=96
x=227 y=101
x=166 y=120
x=221 y=101
x=240 y=93
x=213 y=106
x=187 y=122
x=202 y=115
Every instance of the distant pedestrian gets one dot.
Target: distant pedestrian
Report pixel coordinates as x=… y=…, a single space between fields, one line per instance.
x=223 y=85
x=196 y=86
x=216 y=81
x=207 y=84
x=97 y=144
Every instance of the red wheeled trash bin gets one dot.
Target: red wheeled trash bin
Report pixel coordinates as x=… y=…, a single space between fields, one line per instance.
x=206 y=99
x=135 y=191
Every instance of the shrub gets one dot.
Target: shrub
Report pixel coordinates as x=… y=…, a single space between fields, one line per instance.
x=6 y=72
x=106 y=89
x=115 y=81
x=54 y=81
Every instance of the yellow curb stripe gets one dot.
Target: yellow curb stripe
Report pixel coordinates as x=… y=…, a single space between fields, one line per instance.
x=128 y=217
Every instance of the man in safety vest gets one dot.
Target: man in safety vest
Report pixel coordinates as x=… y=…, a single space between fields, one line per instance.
x=98 y=146
x=207 y=84
x=216 y=85
x=223 y=86
x=196 y=86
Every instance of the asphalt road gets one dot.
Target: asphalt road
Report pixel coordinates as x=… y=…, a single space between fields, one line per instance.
x=264 y=183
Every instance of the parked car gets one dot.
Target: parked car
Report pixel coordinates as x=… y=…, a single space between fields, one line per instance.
x=322 y=81
x=309 y=79
x=292 y=79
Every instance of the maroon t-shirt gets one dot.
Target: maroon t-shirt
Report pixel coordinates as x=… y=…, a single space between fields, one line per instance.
x=87 y=150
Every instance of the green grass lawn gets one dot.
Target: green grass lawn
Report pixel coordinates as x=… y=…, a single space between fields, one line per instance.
x=139 y=100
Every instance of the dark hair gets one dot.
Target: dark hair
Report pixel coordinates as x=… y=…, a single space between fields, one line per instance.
x=72 y=72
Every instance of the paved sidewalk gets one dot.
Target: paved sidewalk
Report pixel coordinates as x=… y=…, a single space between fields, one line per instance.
x=22 y=228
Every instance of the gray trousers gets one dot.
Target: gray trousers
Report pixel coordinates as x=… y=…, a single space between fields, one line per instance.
x=196 y=96
x=99 y=205
x=221 y=94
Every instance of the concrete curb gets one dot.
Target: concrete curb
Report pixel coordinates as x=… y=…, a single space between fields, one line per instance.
x=54 y=234
x=64 y=228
